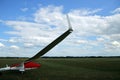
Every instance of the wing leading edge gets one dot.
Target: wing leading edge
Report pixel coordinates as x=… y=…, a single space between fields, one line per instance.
x=54 y=43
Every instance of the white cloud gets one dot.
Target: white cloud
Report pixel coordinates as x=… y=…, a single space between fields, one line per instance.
x=84 y=12
x=51 y=15
x=1 y=21
x=30 y=32
x=100 y=39
x=12 y=40
x=24 y=9
x=116 y=44
x=117 y=10
x=113 y=24
x=49 y=22
x=28 y=45
x=82 y=42
x=2 y=45
x=115 y=37
x=14 y=47
x=3 y=40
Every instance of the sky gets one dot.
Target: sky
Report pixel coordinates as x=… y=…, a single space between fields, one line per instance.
x=27 y=26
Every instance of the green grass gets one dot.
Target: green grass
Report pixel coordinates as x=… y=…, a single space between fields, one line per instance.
x=67 y=69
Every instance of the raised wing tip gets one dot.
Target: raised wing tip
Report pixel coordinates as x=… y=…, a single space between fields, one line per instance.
x=69 y=24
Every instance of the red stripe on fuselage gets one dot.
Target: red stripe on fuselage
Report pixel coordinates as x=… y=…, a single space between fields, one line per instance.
x=29 y=64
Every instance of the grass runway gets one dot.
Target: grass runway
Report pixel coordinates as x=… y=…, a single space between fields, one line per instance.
x=67 y=69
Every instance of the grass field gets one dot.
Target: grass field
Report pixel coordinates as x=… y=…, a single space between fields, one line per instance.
x=67 y=69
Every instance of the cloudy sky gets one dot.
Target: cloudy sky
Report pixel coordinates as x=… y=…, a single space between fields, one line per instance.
x=27 y=26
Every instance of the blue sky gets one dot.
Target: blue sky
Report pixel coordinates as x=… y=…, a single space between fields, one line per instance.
x=27 y=26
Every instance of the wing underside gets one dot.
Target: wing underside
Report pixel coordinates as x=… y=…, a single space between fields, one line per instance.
x=54 y=43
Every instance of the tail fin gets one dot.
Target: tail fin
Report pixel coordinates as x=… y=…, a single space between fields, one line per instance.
x=21 y=67
x=7 y=65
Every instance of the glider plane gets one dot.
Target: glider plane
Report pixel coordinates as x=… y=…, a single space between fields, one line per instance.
x=30 y=63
